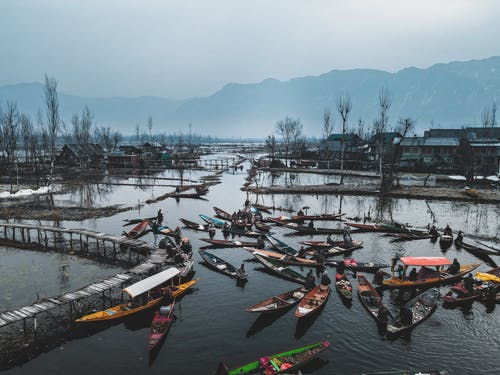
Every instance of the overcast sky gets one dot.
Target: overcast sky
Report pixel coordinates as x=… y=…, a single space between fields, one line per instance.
x=186 y=48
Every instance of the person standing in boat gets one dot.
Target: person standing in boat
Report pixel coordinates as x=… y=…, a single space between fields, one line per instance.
x=261 y=243
x=469 y=284
x=413 y=274
x=460 y=236
x=226 y=229
x=347 y=239
x=159 y=218
x=325 y=280
x=383 y=316
x=340 y=270
x=302 y=252
x=241 y=273
x=310 y=281
x=447 y=231
x=300 y=212
x=211 y=230
x=455 y=267
x=311 y=225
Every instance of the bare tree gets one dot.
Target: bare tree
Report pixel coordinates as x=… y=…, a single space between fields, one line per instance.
x=271 y=145
x=327 y=123
x=104 y=138
x=344 y=108
x=117 y=138
x=290 y=130
x=380 y=125
x=486 y=118
x=405 y=125
x=494 y=114
x=10 y=120
x=52 y=114
x=27 y=134
x=137 y=134
x=361 y=131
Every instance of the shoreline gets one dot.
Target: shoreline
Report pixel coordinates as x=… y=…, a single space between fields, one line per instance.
x=413 y=192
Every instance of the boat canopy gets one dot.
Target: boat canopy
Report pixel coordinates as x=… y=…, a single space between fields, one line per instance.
x=425 y=261
x=151 y=282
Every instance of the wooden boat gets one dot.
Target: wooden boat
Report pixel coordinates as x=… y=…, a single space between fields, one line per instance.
x=287 y=362
x=263 y=208
x=339 y=250
x=313 y=301
x=124 y=310
x=160 y=325
x=421 y=307
x=279 y=302
x=246 y=233
x=369 y=297
x=223 y=214
x=262 y=227
x=139 y=230
x=458 y=294
x=400 y=228
x=275 y=267
x=321 y=244
x=220 y=265
x=356 y=266
x=476 y=250
x=319 y=217
x=367 y=227
x=283 y=258
x=427 y=276
x=445 y=241
x=305 y=229
x=344 y=288
x=473 y=193
x=192 y=225
x=227 y=243
x=280 y=246
x=212 y=220
x=280 y=221
x=137 y=221
x=402 y=237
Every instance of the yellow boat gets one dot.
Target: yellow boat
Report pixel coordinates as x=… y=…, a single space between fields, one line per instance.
x=126 y=309
x=426 y=276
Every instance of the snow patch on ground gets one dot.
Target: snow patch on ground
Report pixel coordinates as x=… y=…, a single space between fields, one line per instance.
x=27 y=192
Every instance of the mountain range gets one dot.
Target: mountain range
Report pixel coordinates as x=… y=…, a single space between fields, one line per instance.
x=444 y=95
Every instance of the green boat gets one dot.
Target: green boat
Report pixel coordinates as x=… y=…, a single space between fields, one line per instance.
x=286 y=362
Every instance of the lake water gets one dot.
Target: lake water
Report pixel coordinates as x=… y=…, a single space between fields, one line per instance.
x=213 y=325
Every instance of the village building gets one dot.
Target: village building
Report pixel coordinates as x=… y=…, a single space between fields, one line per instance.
x=88 y=155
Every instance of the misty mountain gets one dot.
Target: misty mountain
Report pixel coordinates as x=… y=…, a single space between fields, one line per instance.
x=452 y=94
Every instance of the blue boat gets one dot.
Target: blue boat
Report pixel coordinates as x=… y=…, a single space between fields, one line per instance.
x=280 y=246
x=212 y=220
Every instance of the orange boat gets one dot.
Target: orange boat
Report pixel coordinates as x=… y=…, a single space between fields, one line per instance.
x=313 y=301
x=427 y=276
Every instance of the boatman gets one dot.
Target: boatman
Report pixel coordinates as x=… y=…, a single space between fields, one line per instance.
x=159 y=218
x=325 y=280
x=211 y=230
x=469 y=284
x=260 y=242
x=406 y=316
x=383 y=316
x=241 y=273
x=455 y=267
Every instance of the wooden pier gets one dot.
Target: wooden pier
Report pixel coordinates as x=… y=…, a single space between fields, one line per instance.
x=105 y=245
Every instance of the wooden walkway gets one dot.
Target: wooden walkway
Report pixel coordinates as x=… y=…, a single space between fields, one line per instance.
x=152 y=263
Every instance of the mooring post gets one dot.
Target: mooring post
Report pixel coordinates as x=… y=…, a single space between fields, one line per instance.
x=22 y=235
x=39 y=236
x=28 y=230
x=71 y=240
x=46 y=240
x=114 y=250
x=13 y=233
x=81 y=243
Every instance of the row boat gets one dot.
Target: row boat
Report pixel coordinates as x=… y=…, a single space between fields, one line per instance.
x=476 y=250
x=338 y=250
x=313 y=301
x=344 y=288
x=283 y=258
x=139 y=230
x=192 y=225
x=276 y=268
x=356 y=266
x=279 y=302
x=305 y=229
x=223 y=214
x=369 y=297
x=228 y=243
x=286 y=362
x=421 y=308
x=220 y=265
x=212 y=220
x=160 y=325
x=280 y=246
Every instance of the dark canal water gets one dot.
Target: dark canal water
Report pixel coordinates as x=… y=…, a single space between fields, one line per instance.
x=212 y=324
